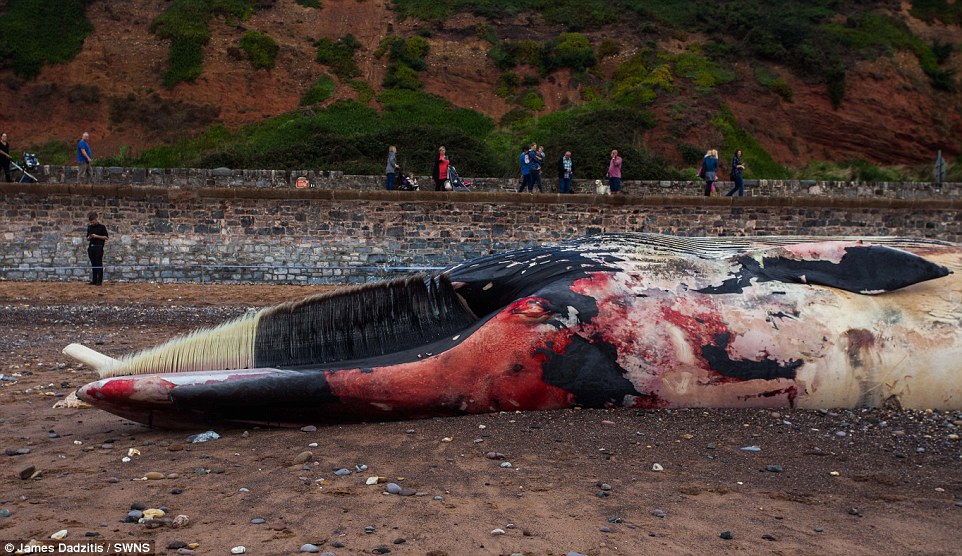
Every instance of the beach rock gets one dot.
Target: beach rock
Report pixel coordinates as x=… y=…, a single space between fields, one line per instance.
x=342 y=472
x=309 y=428
x=258 y=521
x=174 y=545
x=27 y=472
x=238 y=550
x=774 y=468
x=498 y=531
x=407 y=492
x=203 y=437
x=180 y=521
x=382 y=550
x=727 y=535
x=657 y=467
x=5 y=513
x=154 y=476
x=302 y=458
x=61 y=534
x=393 y=488
x=309 y=548
x=154 y=513
x=494 y=455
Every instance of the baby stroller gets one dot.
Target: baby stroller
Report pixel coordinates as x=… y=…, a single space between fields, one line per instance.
x=455 y=183
x=408 y=184
x=31 y=163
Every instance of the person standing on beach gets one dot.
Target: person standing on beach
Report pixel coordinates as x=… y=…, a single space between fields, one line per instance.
x=97 y=236
x=84 y=158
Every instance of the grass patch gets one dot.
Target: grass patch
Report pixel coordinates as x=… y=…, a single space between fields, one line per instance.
x=364 y=91
x=406 y=58
x=185 y=24
x=321 y=90
x=774 y=83
x=937 y=10
x=758 y=163
x=261 y=49
x=34 y=33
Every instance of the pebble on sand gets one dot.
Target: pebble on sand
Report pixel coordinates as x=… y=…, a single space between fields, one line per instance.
x=498 y=531
x=657 y=467
x=238 y=550
x=27 y=472
x=309 y=548
x=61 y=534
x=302 y=458
x=154 y=476
x=727 y=535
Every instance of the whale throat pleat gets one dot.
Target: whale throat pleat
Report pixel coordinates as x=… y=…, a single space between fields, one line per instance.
x=360 y=322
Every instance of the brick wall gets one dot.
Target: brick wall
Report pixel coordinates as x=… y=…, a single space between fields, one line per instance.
x=337 y=236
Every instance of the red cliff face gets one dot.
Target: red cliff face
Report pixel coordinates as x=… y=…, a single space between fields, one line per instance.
x=113 y=89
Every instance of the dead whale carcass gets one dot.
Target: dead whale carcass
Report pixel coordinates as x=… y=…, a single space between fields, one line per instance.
x=638 y=320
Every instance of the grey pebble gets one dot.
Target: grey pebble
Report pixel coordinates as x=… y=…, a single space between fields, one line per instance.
x=400 y=540
x=751 y=449
x=23 y=451
x=5 y=513
x=819 y=529
x=309 y=428
x=840 y=434
x=184 y=551
x=407 y=492
x=605 y=486
x=769 y=537
x=494 y=455
x=439 y=498
x=382 y=550
x=309 y=548
x=360 y=468
x=602 y=494
x=573 y=553
x=113 y=480
x=138 y=506
x=854 y=511
x=52 y=434
x=774 y=468
x=176 y=491
x=658 y=513
x=174 y=545
x=393 y=488
x=338 y=544
x=331 y=553
x=258 y=521
x=369 y=529
x=727 y=535
x=342 y=472
x=506 y=465
x=135 y=515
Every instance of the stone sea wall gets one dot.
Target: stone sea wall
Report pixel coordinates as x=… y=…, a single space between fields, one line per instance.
x=330 y=180
x=286 y=235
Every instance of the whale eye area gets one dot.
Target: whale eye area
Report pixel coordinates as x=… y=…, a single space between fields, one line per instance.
x=531 y=309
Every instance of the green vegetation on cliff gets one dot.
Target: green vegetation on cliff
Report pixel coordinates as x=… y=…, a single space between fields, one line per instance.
x=185 y=24
x=37 y=32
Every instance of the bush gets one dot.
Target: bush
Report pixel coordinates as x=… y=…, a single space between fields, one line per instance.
x=571 y=50
x=774 y=83
x=261 y=49
x=364 y=91
x=407 y=58
x=34 y=33
x=530 y=100
x=339 y=56
x=321 y=90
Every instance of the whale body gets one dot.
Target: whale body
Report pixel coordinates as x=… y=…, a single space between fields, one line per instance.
x=634 y=320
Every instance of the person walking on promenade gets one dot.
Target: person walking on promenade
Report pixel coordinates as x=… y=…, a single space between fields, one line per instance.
x=614 y=173
x=5 y=157
x=737 y=168
x=565 y=170
x=97 y=236
x=84 y=158
x=536 y=169
x=392 y=167
x=440 y=171
x=528 y=160
x=709 y=171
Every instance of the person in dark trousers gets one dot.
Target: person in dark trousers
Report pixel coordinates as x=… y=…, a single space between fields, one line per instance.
x=709 y=171
x=528 y=159
x=97 y=236
x=5 y=157
x=392 y=167
x=565 y=170
x=84 y=158
x=440 y=171
x=737 y=168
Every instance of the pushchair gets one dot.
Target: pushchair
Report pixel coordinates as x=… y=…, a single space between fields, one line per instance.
x=455 y=183
x=408 y=184
x=31 y=163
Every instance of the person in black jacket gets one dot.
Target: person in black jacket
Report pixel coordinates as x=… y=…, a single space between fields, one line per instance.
x=97 y=236
x=5 y=156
